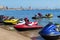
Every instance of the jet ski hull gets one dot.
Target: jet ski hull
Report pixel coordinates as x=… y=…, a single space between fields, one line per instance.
x=26 y=27
x=58 y=16
x=51 y=37
x=35 y=18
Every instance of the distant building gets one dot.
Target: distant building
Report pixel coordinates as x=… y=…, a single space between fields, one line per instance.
x=30 y=8
x=21 y=8
x=3 y=7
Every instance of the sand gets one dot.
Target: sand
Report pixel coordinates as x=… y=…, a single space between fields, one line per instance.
x=9 y=35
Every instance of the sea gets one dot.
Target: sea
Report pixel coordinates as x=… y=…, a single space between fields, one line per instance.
x=30 y=13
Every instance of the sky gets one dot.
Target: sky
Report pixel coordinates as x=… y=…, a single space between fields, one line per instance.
x=32 y=3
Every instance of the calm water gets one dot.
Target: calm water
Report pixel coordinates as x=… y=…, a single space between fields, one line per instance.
x=31 y=13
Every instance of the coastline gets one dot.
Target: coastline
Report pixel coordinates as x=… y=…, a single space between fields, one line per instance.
x=27 y=9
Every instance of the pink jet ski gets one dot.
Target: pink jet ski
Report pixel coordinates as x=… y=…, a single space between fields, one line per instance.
x=27 y=26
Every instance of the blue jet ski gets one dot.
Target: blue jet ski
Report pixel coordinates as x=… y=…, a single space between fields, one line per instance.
x=49 y=32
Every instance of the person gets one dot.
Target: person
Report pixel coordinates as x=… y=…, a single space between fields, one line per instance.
x=39 y=14
x=26 y=21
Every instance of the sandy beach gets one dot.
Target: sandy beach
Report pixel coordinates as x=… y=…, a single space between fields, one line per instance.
x=17 y=35
x=8 y=35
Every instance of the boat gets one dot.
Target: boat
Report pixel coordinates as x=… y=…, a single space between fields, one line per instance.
x=58 y=16
x=38 y=16
x=49 y=32
x=48 y=15
x=30 y=26
x=11 y=21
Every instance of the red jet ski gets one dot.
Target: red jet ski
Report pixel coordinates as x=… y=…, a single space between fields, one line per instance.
x=30 y=26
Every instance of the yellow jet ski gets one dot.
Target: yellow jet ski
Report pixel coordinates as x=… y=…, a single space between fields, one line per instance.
x=11 y=21
x=49 y=15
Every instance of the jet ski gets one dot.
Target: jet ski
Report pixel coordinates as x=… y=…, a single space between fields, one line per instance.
x=11 y=21
x=58 y=16
x=49 y=32
x=38 y=16
x=48 y=15
x=30 y=26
